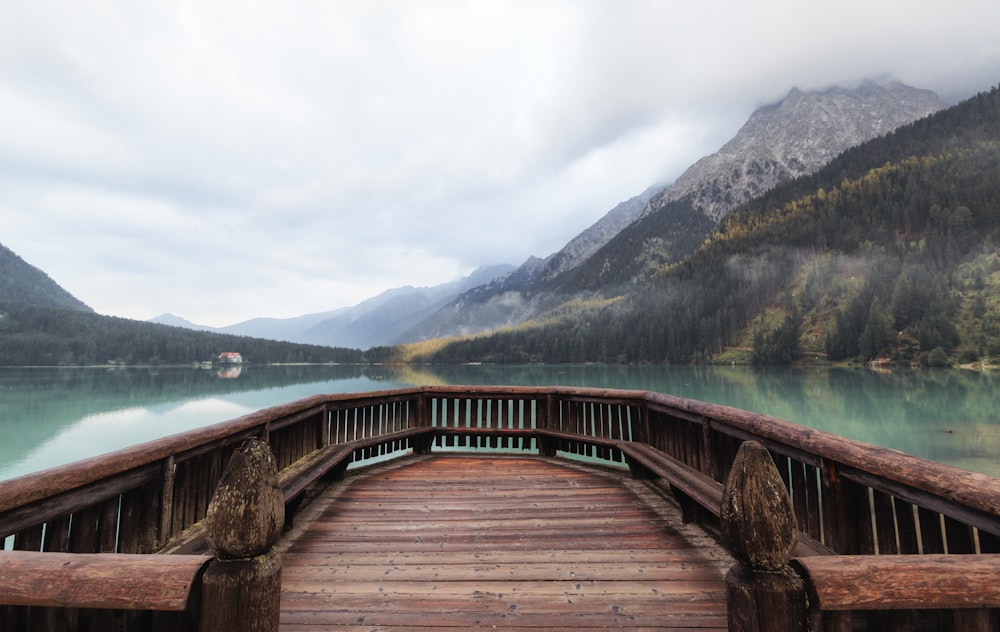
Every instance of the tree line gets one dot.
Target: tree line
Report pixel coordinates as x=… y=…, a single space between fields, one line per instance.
x=31 y=335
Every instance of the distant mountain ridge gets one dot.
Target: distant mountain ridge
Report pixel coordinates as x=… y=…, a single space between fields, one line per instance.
x=21 y=282
x=374 y=322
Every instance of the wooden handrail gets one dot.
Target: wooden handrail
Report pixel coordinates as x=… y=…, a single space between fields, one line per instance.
x=969 y=498
x=901 y=582
x=77 y=580
x=977 y=491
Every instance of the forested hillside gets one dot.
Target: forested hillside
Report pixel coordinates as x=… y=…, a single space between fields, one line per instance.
x=888 y=253
x=24 y=283
x=33 y=335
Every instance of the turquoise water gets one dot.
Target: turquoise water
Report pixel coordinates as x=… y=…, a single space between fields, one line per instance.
x=53 y=416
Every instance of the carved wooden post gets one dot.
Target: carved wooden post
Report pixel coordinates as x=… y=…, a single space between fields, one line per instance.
x=758 y=525
x=242 y=586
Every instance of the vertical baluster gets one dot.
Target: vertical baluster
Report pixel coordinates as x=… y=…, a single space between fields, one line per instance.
x=107 y=538
x=442 y=410
x=472 y=420
x=201 y=490
x=378 y=413
x=366 y=430
x=179 y=481
x=476 y=421
x=652 y=431
x=492 y=421
x=513 y=418
x=813 y=489
x=506 y=420
x=325 y=429
x=885 y=524
x=456 y=420
x=602 y=423
x=394 y=423
x=665 y=429
x=708 y=453
x=167 y=513
x=673 y=434
x=694 y=438
x=630 y=415
x=847 y=512
x=800 y=494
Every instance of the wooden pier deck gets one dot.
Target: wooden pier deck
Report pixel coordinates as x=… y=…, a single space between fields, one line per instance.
x=185 y=532
x=487 y=541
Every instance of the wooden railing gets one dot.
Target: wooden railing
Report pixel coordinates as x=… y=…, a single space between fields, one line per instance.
x=847 y=497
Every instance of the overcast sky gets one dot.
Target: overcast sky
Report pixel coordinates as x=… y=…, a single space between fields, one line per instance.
x=227 y=160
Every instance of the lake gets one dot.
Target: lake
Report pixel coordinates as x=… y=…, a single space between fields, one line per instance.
x=51 y=416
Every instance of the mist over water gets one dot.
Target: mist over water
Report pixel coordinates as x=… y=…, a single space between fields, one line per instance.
x=53 y=416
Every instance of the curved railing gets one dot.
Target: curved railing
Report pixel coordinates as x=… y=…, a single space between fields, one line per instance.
x=848 y=497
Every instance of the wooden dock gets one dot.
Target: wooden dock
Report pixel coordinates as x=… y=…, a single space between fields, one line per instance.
x=470 y=507
x=454 y=541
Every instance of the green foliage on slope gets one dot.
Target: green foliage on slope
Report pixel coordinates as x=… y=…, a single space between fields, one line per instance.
x=888 y=253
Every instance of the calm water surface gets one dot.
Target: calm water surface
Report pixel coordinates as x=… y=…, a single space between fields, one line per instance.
x=53 y=416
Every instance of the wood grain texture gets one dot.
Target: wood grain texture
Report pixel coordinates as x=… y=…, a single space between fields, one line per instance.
x=494 y=541
x=133 y=582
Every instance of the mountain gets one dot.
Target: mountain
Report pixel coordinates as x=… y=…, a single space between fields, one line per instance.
x=380 y=320
x=886 y=254
x=779 y=142
x=21 y=282
x=584 y=245
x=795 y=137
x=41 y=324
x=176 y=321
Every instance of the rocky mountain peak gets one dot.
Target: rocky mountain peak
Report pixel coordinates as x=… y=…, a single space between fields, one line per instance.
x=794 y=137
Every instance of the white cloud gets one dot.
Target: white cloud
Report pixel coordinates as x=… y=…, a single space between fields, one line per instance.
x=223 y=160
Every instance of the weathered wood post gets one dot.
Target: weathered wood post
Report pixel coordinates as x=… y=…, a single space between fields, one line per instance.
x=242 y=586
x=758 y=525
x=422 y=444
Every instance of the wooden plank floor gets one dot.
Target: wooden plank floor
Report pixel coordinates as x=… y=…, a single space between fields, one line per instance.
x=457 y=541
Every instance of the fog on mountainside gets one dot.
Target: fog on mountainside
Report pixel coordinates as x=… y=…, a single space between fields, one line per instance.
x=781 y=141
